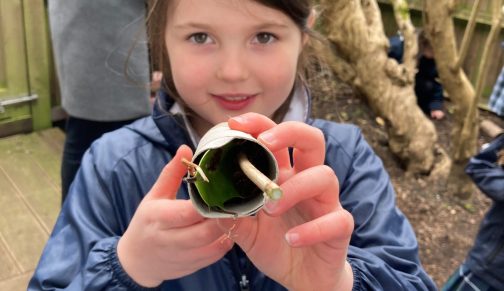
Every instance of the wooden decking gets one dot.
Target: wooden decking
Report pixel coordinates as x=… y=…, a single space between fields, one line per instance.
x=30 y=194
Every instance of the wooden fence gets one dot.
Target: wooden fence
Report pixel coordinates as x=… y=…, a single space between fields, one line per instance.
x=463 y=10
x=25 y=101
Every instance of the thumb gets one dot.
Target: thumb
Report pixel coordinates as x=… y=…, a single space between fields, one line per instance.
x=169 y=180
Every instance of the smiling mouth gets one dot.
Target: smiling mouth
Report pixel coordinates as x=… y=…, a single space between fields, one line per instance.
x=234 y=101
x=234 y=97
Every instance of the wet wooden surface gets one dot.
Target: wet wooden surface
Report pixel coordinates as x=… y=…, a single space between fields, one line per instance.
x=30 y=194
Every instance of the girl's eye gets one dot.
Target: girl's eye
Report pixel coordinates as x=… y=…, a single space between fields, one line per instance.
x=199 y=38
x=264 y=38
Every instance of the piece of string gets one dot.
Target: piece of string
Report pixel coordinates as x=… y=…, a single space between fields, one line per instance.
x=229 y=234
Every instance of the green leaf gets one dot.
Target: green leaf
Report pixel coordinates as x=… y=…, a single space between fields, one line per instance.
x=217 y=164
x=227 y=185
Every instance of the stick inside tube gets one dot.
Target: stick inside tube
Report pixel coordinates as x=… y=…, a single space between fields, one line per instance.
x=272 y=190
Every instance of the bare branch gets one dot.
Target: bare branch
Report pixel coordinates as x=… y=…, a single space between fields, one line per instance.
x=469 y=31
x=487 y=51
x=491 y=129
x=402 y=17
x=441 y=30
x=374 y=24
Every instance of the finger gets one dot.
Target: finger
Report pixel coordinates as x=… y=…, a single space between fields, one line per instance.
x=171 y=177
x=308 y=143
x=170 y=214
x=198 y=235
x=254 y=124
x=317 y=187
x=334 y=228
x=209 y=254
x=191 y=261
x=251 y=123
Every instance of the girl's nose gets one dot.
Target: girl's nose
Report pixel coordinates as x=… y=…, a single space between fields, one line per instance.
x=233 y=67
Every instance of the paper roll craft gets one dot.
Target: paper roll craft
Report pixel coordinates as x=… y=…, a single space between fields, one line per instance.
x=219 y=184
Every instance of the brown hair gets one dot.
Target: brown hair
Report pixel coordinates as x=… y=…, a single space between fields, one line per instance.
x=423 y=42
x=298 y=10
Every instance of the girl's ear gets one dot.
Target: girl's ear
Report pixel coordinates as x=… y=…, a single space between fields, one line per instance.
x=312 y=18
x=310 y=23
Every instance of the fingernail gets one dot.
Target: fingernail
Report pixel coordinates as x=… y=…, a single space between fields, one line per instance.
x=239 y=119
x=270 y=206
x=267 y=137
x=292 y=238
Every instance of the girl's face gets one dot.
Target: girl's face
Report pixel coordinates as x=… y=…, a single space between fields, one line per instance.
x=229 y=57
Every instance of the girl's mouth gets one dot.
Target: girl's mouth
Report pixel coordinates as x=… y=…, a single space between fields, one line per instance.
x=234 y=101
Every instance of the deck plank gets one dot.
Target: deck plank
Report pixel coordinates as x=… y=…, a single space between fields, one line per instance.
x=53 y=137
x=20 y=229
x=30 y=194
x=8 y=266
x=29 y=169
x=18 y=283
x=45 y=157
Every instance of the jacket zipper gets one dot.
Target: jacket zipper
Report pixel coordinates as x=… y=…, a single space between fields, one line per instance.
x=241 y=276
x=244 y=283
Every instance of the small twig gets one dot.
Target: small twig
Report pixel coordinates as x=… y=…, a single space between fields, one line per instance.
x=490 y=128
x=194 y=169
x=269 y=187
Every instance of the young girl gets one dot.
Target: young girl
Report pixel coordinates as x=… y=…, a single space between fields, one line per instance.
x=127 y=223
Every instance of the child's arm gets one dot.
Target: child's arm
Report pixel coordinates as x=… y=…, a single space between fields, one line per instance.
x=485 y=171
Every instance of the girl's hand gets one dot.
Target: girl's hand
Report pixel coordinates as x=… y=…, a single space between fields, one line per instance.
x=167 y=238
x=301 y=241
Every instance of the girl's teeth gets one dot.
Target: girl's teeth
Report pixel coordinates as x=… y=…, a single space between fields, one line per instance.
x=241 y=98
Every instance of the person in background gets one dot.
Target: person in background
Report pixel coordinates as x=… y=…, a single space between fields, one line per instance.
x=428 y=90
x=128 y=223
x=92 y=42
x=483 y=268
x=496 y=101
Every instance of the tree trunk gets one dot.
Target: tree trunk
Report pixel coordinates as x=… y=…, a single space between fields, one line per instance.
x=355 y=29
x=440 y=29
